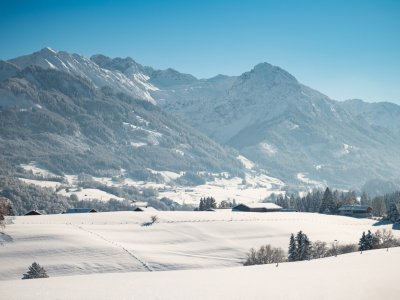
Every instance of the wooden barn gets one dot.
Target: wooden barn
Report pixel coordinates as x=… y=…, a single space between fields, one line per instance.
x=145 y=208
x=257 y=207
x=357 y=211
x=80 y=211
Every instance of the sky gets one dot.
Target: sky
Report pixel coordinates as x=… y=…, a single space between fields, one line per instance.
x=345 y=49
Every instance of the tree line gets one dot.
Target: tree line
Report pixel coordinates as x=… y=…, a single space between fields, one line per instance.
x=301 y=248
x=330 y=201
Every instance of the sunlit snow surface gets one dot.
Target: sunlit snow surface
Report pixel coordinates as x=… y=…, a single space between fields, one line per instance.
x=73 y=244
x=370 y=276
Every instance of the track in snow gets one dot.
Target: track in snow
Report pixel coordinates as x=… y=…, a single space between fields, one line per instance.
x=142 y=262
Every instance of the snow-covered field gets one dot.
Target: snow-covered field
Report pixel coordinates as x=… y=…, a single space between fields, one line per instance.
x=254 y=188
x=75 y=244
x=369 y=276
x=88 y=194
x=41 y=183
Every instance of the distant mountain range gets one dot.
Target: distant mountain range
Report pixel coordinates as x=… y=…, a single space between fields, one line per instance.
x=68 y=115
x=107 y=114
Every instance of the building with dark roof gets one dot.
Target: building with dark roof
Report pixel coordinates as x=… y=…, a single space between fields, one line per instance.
x=357 y=211
x=79 y=211
x=35 y=213
x=257 y=207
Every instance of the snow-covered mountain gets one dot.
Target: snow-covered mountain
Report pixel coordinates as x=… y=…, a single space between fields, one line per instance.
x=69 y=115
x=294 y=132
x=85 y=68
x=382 y=114
x=290 y=129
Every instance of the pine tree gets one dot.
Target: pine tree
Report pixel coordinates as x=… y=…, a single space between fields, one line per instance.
x=328 y=204
x=365 y=199
x=303 y=246
x=211 y=203
x=299 y=240
x=369 y=241
x=362 y=242
x=305 y=250
x=201 y=206
x=393 y=213
x=35 y=271
x=292 y=253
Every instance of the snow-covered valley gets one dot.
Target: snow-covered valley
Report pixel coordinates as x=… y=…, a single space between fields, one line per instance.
x=80 y=246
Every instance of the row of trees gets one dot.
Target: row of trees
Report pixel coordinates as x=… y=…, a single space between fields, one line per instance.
x=380 y=239
x=211 y=203
x=301 y=248
x=330 y=201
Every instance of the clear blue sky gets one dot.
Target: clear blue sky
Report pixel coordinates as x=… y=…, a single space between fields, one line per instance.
x=345 y=49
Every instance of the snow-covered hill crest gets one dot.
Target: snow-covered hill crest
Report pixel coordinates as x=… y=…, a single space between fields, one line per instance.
x=82 y=66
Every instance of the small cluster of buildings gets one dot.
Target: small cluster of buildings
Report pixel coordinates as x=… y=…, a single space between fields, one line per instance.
x=68 y=211
x=358 y=211
x=85 y=210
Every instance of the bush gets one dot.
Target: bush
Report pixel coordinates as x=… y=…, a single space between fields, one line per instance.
x=319 y=249
x=5 y=210
x=384 y=239
x=348 y=248
x=265 y=255
x=35 y=271
x=154 y=219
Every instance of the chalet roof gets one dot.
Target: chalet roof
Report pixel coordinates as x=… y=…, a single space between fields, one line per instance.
x=354 y=207
x=145 y=208
x=35 y=212
x=266 y=205
x=79 y=210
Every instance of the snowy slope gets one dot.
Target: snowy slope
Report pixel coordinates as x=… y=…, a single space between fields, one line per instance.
x=83 y=67
x=120 y=241
x=369 y=276
x=289 y=128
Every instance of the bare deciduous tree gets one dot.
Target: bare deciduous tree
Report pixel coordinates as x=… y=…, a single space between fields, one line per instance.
x=154 y=219
x=319 y=249
x=5 y=210
x=265 y=255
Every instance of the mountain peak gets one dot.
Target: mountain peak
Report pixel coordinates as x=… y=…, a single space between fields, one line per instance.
x=263 y=66
x=266 y=76
x=268 y=71
x=126 y=65
x=48 y=50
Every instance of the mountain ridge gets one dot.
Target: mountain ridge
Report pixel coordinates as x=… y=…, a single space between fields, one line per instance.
x=266 y=114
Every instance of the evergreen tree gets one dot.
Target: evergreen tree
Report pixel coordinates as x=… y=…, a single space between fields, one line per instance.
x=369 y=241
x=393 y=213
x=305 y=250
x=328 y=204
x=362 y=243
x=282 y=202
x=202 y=204
x=365 y=199
x=292 y=253
x=366 y=241
x=299 y=244
x=211 y=203
x=35 y=271
x=303 y=246
x=207 y=203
